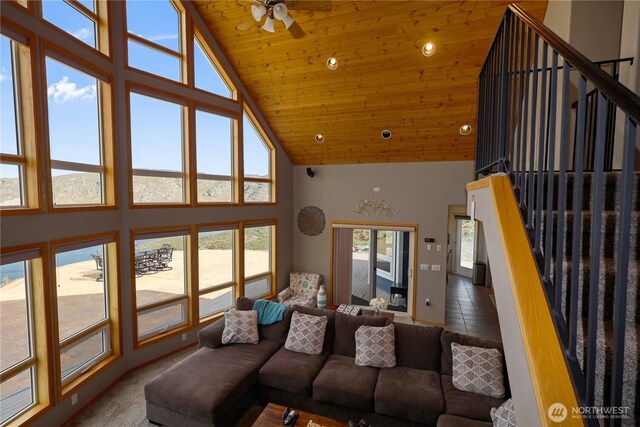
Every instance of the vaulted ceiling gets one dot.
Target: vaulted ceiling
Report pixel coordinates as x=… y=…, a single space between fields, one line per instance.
x=382 y=82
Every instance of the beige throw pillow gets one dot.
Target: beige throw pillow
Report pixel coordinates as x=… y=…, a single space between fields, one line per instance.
x=477 y=370
x=306 y=333
x=240 y=327
x=376 y=346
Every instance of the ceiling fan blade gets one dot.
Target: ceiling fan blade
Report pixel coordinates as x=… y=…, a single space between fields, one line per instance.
x=296 y=31
x=246 y=25
x=311 y=5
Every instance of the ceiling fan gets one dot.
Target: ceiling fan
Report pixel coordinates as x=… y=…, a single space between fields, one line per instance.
x=278 y=10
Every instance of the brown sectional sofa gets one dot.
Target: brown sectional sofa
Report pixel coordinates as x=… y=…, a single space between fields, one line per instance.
x=217 y=384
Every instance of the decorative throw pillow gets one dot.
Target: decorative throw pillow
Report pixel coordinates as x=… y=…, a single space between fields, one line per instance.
x=477 y=370
x=306 y=333
x=376 y=346
x=505 y=415
x=240 y=327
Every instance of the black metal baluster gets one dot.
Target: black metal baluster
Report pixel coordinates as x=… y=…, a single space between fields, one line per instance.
x=534 y=96
x=551 y=167
x=517 y=184
x=541 y=138
x=512 y=92
x=622 y=267
x=577 y=215
x=524 y=184
x=596 y=239
x=562 y=187
x=503 y=122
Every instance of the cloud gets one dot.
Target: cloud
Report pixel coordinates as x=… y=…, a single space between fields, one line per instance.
x=82 y=34
x=64 y=91
x=4 y=75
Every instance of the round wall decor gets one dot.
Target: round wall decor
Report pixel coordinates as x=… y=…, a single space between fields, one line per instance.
x=311 y=220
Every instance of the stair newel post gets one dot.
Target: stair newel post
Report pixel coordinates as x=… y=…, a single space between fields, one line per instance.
x=503 y=122
x=562 y=187
x=622 y=267
x=541 y=137
x=551 y=167
x=577 y=214
x=596 y=243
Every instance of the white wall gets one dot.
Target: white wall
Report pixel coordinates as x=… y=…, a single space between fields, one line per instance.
x=422 y=193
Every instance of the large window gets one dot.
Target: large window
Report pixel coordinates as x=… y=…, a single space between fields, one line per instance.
x=157 y=150
x=18 y=187
x=154 y=44
x=257 y=163
x=207 y=76
x=214 y=154
x=259 y=245
x=160 y=269
x=78 y=18
x=75 y=135
x=86 y=294
x=216 y=269
x=21 y=325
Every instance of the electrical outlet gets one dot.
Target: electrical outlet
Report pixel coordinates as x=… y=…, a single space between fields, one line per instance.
x=376 y=189
x=429 y=246
x=427 y=302
x=74 y=399
x=424 y=267
x=435 y=267
x=184 y=337
x=439 y=247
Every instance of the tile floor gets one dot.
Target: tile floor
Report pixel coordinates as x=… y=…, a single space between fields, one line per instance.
x=470 y=310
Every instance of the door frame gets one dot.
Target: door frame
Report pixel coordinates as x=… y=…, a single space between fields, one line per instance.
x=413 y=255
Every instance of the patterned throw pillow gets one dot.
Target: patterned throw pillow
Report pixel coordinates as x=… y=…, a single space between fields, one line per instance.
x=240 y=327
x=477 y=370
x=505 y=415
x=306 y=334
x=376 y=346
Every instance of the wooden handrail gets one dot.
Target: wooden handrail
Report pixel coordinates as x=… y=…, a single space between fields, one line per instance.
x=615 y=91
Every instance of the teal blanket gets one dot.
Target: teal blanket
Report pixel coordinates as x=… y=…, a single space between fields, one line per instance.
x=269 y=312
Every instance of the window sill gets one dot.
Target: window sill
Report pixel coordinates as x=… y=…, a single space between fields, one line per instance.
x=74 y=385
x=30 y=415
x=20 y=211
x=82 y=208
x=161 y=337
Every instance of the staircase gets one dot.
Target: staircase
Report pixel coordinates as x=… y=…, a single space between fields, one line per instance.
x=564 y=132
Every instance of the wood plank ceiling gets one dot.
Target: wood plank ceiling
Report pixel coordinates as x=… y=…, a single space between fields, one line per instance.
x=383 y=81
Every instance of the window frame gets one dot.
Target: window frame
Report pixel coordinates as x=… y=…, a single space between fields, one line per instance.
x=112 y=322
x=106 y=123
x=186 y=298
x=234 y=227
x=272 y=160
x=186 y=147
x=272 y=273
x=40 y=360
x=27 y=114
x=199 y=38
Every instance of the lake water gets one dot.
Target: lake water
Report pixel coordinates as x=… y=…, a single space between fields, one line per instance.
x=16 y=270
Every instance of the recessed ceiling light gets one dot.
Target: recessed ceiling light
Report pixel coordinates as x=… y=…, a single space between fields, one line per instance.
x=465 y=129
x=428 y=49
x=319 y=138
x=332 y=63
x=385 y=134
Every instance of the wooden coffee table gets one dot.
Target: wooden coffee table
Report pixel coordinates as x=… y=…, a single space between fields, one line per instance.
x=271 y=416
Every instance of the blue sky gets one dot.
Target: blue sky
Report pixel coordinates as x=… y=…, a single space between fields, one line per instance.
x=72 y=97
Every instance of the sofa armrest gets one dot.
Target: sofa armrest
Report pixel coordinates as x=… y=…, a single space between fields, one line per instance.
x=211 y=336
x=284 y=295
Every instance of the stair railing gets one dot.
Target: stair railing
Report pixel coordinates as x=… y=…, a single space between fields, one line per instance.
x=526 y=88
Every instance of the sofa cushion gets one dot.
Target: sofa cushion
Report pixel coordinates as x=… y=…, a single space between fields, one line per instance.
x=275 y=332
x=418 y=347
x=448 y=337
x=410 y=394
x=292 y=372
x=342 y=382
x=327 y=346
x=465 y=404
x=240 y=327
x=344 y=342
x=453 y=421
x=306 y=334
x=206 y=384
x=375 y=346
x=478 y=370
x=505 y=415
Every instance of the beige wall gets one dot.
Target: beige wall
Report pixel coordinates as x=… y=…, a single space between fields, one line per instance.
x=421 y=192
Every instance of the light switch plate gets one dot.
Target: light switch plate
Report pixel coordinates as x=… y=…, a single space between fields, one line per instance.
x=435 y=267
x=376 y=189
x=428 y=246
x=424 y=267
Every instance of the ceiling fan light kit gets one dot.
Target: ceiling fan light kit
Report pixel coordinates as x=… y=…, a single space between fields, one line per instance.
x=273 y=9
